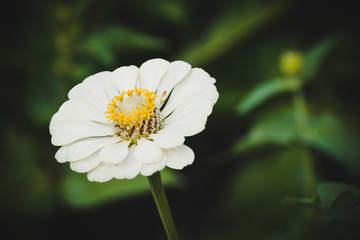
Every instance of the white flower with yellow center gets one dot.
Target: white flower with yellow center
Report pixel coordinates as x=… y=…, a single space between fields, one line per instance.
x=133 y=120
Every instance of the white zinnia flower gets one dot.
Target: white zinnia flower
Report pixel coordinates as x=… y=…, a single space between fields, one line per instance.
x=133 y=120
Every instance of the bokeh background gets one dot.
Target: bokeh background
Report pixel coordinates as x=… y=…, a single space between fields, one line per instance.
x=279 y=158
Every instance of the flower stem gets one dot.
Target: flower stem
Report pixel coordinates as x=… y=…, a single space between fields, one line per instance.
x=158 y=192
x=301 y=113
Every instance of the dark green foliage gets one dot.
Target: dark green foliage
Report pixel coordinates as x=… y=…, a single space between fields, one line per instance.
x=279 y=158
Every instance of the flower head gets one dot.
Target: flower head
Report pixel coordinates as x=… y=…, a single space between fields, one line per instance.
x=133 y=120
x=291 y=63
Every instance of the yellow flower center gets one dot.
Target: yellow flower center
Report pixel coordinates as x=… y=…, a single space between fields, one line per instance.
x=134 y=114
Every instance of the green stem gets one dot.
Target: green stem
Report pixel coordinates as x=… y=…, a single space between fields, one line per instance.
x=300 y=110
x=304 y=131
x=301 y=113
x=158 y=192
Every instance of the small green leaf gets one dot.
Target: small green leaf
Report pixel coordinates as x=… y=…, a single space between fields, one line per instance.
x=306 y=202
x=277 y=128
x=339 y=201
x=336 y=138
x=78 y=191
x=104 y=43
x=328 y=192
x=343 y=204
x=315 y=56
x=173 y=11
x=264 y=91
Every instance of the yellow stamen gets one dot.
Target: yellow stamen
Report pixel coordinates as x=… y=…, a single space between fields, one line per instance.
x=131 y=107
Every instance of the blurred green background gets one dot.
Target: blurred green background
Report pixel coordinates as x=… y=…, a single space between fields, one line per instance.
x=279 y=158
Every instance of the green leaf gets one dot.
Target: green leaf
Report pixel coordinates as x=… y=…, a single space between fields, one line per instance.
x=277 y=128
x=314 y=56
x=328 y=192
x=288 y=173
x=173 y=11
x=261 y=185
x=230 y=28
x=325 y=132
x=336 y=138
x=104 y=43
x=306 y=202
x=78 y=191
x=264 y=91
x=339 y=201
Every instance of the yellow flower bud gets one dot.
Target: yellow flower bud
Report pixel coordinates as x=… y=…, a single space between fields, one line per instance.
x=291 y=63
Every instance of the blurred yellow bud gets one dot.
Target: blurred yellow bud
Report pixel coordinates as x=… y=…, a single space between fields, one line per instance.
x=291 y=63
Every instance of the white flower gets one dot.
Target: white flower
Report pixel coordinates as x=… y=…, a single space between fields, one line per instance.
x=133 y=120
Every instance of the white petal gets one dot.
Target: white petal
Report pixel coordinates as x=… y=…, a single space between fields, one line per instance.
x=190 y=127
x=147 y=151
x=75 y=109
x=190 y=108
x=86 y=164
x=151 y=73
x=101 y=173
x=61 y=154
x=149 y=169
x=114 y=153
x=189 y=119
x=179 y=157
x=89 y=112
x=104 y=81
x=125 y=78
x=177 y=71
x=167 y=140
x=85 y=147
x=173 y=131
x=128 y=168
x=63 y=114
x=196 y=85
x=70 y=131
x=91 y=94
